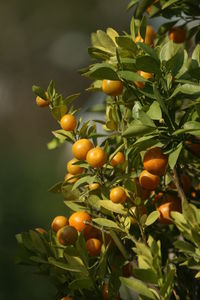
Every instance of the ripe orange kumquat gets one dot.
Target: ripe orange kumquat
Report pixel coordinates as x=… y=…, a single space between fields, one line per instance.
x=68 y=122
x=118 y=195
x=81 y=147
x=112 y=87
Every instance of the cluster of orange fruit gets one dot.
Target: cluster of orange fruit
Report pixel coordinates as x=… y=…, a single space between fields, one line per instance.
x=67 y=231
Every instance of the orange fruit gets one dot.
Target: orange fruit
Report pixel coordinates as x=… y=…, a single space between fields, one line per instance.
x=42 y=102
x=94 y=186
x=118 y=195
x=81 y=147
x=117 y=159
x=69 y=179
x=59 y=222
x=105 y=293
x=194 y=148
x=142 y=192
x=186 y=183
x=96 y=157
x=91 y=232
x=149 y=181
x=41 y=230
x=112 y=87
x=149 y=37
x=177 y=34
x=74 y=169
x=67 y=298
x=155 y=161
x=68 y=122
x=77 y=220
x=141 y=84
x=93 y=247
x=67 y=235
x=149 y=7
x=172 y=203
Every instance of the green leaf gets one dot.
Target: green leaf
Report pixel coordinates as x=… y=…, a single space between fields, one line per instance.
x=143 y=26
x=39 y=92
x=56 y=188
x=106 y=41
x=139 y=287
x=62 y=134
x=83 y=181
x=184 y=246
x=148 y=64
x=168 y=3
x=127 y=43
x=55 y=143
x=132 y=3
x=187 y=89
x=196 y=54
x=102 y=71
x=152 y=218
x=51 y=89
x=146 y=275
x=76 y=263
x=136 y=128
x=154 y=111
x=69 y=99
x=81 y=283
x=74 y=206
x=59 y=111
x=169 y=50
x=106 y=223
x=174 y=155
x=149 y=50
x=37 y=241
x=62 y=265
x=109 y=205
x=175 y=63
x=131 y=76
x=193 y=127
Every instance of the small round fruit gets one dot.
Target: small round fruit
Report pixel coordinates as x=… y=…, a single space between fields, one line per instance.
x=155 y=161
x=77 y=220
x=149 y=181
x=40 y=230
x=194 y=148
x=149 y=7
x=141 y=84
x=117 y=159
x=96 y=157
x=91 y=233
x=74 y=169
x=166 y=208
x=59 y=222
x=67 y=298
x=112 y=87
x=94 y=186
x=81 y=148
x=42 y=102
x=67 y=235
x=177 y=35
x=68 y=122
x=141 y=192
x=118 y=195
x=69 y=178
x=149 y=37
x=93 y=247
x=105 y=292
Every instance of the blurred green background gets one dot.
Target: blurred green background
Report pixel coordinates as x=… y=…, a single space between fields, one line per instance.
x=39 y=41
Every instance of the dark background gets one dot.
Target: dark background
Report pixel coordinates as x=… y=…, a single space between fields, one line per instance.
x=39 y=41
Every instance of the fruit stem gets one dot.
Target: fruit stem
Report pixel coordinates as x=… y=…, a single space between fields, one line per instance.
x=178 y=185
x=119 y=244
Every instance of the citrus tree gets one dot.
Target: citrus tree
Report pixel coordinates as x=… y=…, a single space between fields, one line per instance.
x=131 y=190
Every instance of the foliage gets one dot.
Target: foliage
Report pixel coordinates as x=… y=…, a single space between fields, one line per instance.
x=161 y=110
